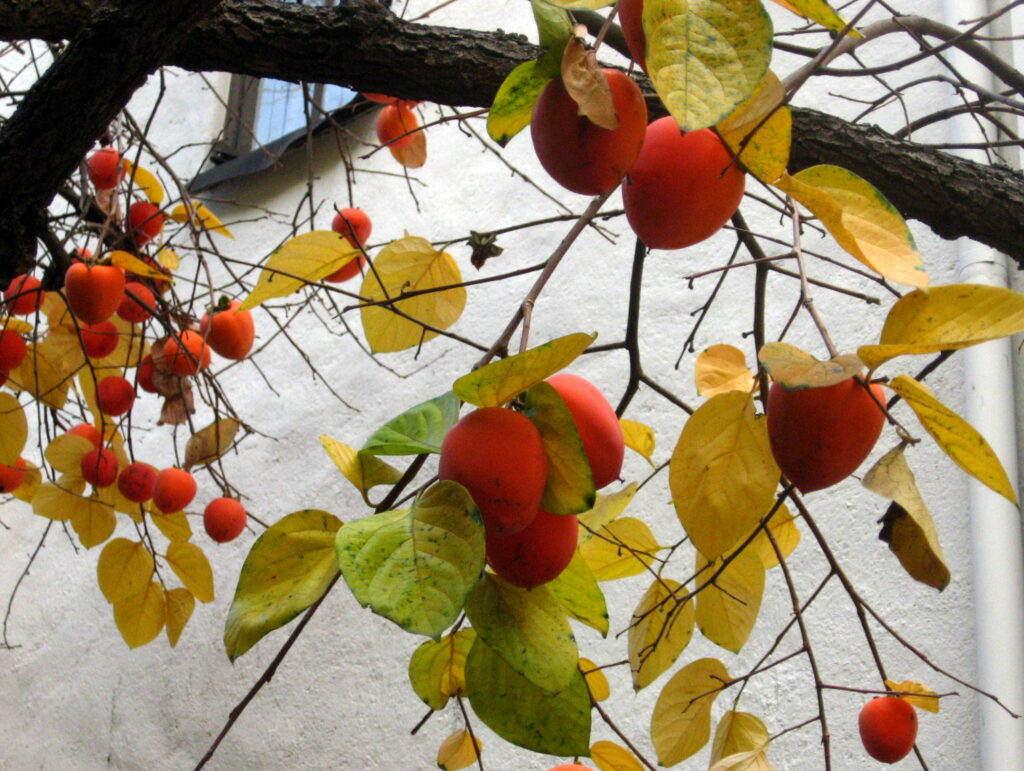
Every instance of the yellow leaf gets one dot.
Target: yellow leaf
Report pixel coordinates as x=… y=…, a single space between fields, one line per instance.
x=765 y=154
x=945 y=318
x=794 y=368
x=191 y=566
x=660 y=630
x=65 y=453
x=606 y=509
x=783 y=528
x=58 y=500
x=460 y=750
x=210 y=443
x=609 y=756
x=437 y=669
x=496 y=383
x=93 y=520
x=513 y=104
x=180 y=604
x=146 y=182
x=201 y=217
x=133 y=264
x=174 y=526
x=957 y=438
x=751 y=760
x=16 y=325
x=819 y=11
x=30 y=484
x=738 y=732
x=727 y=609
x=407 y=265
x=140 y=618
x=13 y=429
x=681 y=722
x=908 y=526
x=300 y=261
x=42 y=374
x=921 y=696
x=639 y=438
x=722 y=368
x=722 y=474
x=124 y=569
x=363 y=471
x=861 y=219
x=596 y=681
x=414 y=154
x=169 y=259
x=623 y=548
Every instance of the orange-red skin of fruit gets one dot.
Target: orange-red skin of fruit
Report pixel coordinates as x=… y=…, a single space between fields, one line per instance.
x=137 y=481
x=114 y=395
x=356 y=227
x=88 y=432
x=819 y=436
x=229 y=332
x=11 y=477
x=105 y=168
x=497 y=454
x=93 y=291
x=224 y=519
x=144 y=374
x=682 y=188
x=888 y=728
x=597 y=424
x=393 y=124
x=12 y=349
x=23 y=295
x=186 y=355
x=631 y=18
x=347 y=271
x=173 y=490
x=580 y=155
x=536 y=554
x=145 y=220
x=99 y=467
x=99 y=340
x=138 y=298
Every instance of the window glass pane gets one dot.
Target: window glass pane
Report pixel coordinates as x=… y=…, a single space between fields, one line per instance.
x=336 y=96
x=280 y=110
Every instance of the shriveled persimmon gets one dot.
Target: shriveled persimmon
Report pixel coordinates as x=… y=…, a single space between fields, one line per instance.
x=497 y=454
x=173 y=490
x=597 y=424
x=536 y=554
x=93 y=291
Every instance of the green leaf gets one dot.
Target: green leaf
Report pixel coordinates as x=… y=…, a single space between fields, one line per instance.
x=528 y=628
x=512 y=109
x=569 y=488
x=417 y=430
x=437 y=670
x=706 y=56
x=581 y=595
x=524 y=714
x=555 y=30
x=416 y=566
x=288 y=569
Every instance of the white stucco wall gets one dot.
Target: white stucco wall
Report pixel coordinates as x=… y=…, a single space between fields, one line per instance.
x=76 y=697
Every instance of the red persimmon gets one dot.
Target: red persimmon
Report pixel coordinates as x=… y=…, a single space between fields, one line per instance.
x=99 y=340
x=137 y=481
x=105 y=168
x=12 y=349
x=99 y=467
x=115 y=395
x=23 y=295
x=229 y=332
x=174 y=490
x=224 y=519
x=93 y=291
x=11 y=477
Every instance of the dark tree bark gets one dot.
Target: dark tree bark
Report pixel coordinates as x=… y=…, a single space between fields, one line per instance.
x=364 y=46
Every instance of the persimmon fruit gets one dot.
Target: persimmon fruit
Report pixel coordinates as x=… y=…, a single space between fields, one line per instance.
x=888 y=728
x=631 y=19
x=115 y=395
x=136 y=303
x=105 y=169
x=682 y=188
x=145 y=221
x=224 y=519
x=578 y=154
x=99 y=340
x=89 y=432
x=173 y=490
x=185 y=355
x=355 y=226
x=538 y=553
x=23 y=295
x=13 y=349
x=396 y=124
x=229 y=331
x=99 y=467
x=137 y=481
x=497 y=454
x=11 y=477
x=597 y=424
x=819 y=436
x=144 y=374
x=93 y=291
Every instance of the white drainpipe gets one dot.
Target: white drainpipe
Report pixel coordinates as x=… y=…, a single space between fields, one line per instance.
x=997 y=554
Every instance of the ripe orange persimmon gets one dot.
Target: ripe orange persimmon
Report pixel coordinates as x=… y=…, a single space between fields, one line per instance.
x=99 y=340
x=224 y=519
x=88 y=432
x=186 y=355
x=11 y=477
x=99 y=467
x=138 y=299
x=23 y=295
x=631 y=13
x=144 y=374
x=173 y=490
x=137 y=481
x=819 y=436
x=355 y=226
x=105 y=168
x=145 y=221
x=395 y=124
x=93 y=291
x=578 y=154
x=13 y=349
x=597 y=423
x=888 y=728
x=229 y=331
x=536 y=554
x=114 y=395
x=682 y=188
x=498 y=455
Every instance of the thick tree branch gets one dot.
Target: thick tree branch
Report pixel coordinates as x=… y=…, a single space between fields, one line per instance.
x=363 y=45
